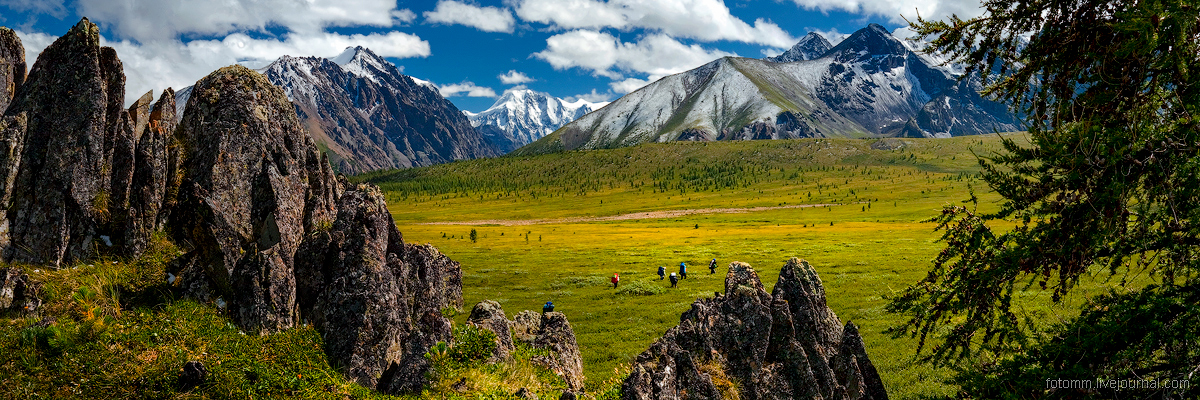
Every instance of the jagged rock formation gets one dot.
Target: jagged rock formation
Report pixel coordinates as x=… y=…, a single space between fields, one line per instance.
x=548 y=331
x=869 y=85
x=12 y=66
x=369 y=116
x=68 y=156
x=489 y=315
x=267 y=227
x=810 y=47
x=783 y=345
x=275 y=232
x=521 y=116
x=556 y=336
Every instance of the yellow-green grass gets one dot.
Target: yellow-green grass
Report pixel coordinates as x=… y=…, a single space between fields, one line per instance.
x=875 y=247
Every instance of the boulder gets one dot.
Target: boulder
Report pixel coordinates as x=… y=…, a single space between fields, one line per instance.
x=194 y=374
x=524 y=326
x=253 y=186
x=489 y=315
x=153 y=172
x=12 y=66
x=556 y=336
x=18 y=293
x=775 y=346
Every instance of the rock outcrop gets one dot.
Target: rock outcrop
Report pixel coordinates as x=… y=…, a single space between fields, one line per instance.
x=68 y=152
x=488 y=315
x=556 y=336
x=524 y=325
x=12 y=66
x=268 y=229
x=274 y=232
x=783 y=345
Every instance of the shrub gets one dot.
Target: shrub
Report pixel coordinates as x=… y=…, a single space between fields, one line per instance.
x=472 y=343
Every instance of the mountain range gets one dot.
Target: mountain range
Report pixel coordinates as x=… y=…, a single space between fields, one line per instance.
x=366 y=115
x=521 y=116
x=869 y=85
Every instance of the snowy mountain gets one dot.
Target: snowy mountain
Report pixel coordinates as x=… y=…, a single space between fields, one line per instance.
x=869 y=85
x=366 y=115
x=811 y=46
x=521 y=116
x=369 y=116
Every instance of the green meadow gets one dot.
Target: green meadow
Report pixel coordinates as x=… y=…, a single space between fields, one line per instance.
x=556 y=227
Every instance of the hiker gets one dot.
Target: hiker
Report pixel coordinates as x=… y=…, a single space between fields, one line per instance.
x=683 y=270
x=616 y=278
x=712 y=267
x=674 y=279
x=662 y=272
x=549 y=307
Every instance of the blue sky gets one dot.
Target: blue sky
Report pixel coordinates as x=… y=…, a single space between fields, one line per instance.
x=474 y=50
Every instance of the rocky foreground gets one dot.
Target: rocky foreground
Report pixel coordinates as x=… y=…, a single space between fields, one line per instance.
x=747 y=343
x=269 y=231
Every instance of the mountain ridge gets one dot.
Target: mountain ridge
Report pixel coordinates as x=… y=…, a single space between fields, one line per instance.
x=520 y=116
x=870 y=85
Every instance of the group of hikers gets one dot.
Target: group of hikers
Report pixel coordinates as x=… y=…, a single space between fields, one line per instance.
x=662 y=273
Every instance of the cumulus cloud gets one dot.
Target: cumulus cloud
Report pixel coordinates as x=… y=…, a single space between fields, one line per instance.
x=896 y=10
x=630 y=84
x=156 y=20
x=466 y=88
x=487 y=19
x=605 y=55
x=705 y=20
x=404 y=16
x=52 y=7
x=514 y=78
x=161 y=64
x=592 y=98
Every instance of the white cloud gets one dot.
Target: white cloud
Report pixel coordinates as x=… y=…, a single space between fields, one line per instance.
x=605 y=55
x=466 y=88
x=896 y=10
x=706 y=20
x=629 y=85
x=404 y=16
x=161 y=64
x=157 y=20
x=514 y=78
x=487 y=19
x=593 y=97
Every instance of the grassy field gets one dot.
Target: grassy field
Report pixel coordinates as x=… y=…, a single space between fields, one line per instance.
x=550 y=228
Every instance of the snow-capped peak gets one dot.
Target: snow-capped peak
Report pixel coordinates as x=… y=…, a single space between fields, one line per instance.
x=811 y=46
x=362 y=62
x=521 y=116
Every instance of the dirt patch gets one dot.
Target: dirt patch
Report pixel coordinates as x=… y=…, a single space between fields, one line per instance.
x=622 y=217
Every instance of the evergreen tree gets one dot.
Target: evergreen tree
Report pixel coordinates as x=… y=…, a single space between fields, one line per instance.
x=1109 y=183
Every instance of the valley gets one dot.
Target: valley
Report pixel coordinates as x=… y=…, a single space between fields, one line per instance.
x=865 y=236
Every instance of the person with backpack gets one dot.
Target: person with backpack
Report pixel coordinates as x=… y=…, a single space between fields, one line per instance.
x=682 y=271
x=616 y=278
x=662 y=272
x=674 y=279
x=712 y=267
x=549 y=307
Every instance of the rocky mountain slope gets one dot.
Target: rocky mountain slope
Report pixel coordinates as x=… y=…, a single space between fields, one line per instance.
x=521 y=116
x=869 y=85
x=367 y=116
x=267 y=230
x=786 y=344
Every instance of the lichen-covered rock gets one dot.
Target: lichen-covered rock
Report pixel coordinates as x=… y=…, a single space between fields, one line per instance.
x=61 y=132
x=152 y=170
x=368 y=295
x=18 y=293
x=253 y=186
x=12 y=66
x=524 y=326
x=776 y=346
x=489 y=315
x=556 y=336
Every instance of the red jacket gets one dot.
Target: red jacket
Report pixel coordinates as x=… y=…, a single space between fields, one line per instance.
x=615 y=279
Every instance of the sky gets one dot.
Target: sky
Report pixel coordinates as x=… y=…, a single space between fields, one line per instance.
x=473 y=50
